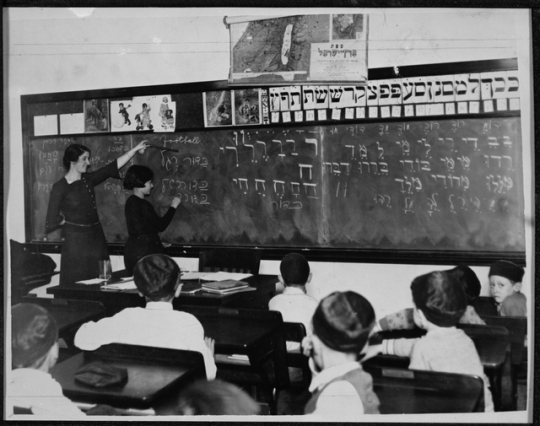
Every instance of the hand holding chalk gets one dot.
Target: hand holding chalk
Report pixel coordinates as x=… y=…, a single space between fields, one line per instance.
x=141 y=147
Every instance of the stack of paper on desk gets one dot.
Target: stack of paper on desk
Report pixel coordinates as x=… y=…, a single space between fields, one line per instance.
x=91 y=281
x=226 y=287
x=123 y=286
x=213 y=276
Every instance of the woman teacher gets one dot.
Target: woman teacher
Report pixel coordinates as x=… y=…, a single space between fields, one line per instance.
x=72 y=204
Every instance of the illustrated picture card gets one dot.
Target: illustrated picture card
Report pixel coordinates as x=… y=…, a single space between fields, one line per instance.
x=122 y=112
x=135 y=114
x=348 y=26
x=96 y=115
x=217 y=108
x=162 y=113
x=247 y=106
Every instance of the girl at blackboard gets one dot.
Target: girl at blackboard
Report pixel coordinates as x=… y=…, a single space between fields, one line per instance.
x=143 y=222
x=72 y=204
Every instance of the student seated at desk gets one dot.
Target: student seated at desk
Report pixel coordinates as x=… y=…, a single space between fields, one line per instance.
x=505 y=284
x=341 y=390
x=294 y=304
x=215 y=398
x=404 y=319
x=440 y=302
x=157 y=278
x=34 y=351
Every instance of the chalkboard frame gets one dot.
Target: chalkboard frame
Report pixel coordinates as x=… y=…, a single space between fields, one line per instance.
x=360 y=255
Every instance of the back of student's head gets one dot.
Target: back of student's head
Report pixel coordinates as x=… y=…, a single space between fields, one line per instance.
x=469 y=281
x=440 y=297
x=137 y=176
x=156 y=276
x=343 y=321
x=294 y=269
x=215 y=398
x=34 y=332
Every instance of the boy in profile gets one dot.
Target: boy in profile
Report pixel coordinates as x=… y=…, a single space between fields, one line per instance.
x=157 y=278
x=34 y=351
x=294 y=303
x=341 y=389
x=440 y=302
x=505 y=284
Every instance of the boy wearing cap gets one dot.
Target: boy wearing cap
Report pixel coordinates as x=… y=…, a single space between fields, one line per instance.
x=505 y=283
x=157 y=278
x=404 y=319
x=340 y=388
x=294 y=304
x=34 y=351
x=440 y=302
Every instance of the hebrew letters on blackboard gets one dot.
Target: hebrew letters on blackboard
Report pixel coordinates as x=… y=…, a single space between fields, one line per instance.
x=420 y=185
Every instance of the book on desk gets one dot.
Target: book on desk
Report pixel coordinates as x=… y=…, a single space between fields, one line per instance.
x=226 y=287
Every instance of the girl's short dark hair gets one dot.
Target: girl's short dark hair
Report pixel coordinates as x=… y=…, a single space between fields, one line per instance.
x=137 y=176
x=72 y=154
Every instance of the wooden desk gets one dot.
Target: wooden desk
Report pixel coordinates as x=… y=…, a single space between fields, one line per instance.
x=403 y=391
x=255 y=333
x=155 y=375
x=116 y=301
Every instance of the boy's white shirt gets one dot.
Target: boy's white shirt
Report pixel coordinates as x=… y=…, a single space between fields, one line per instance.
x=338 y=401
x=38 y=391
x=155 y=325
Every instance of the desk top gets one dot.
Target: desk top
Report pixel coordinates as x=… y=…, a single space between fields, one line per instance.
x=265 y=285
x=408 y=400
x=236 y=335
x=147 y=381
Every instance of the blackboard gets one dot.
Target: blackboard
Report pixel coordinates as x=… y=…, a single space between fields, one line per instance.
x=446 y=184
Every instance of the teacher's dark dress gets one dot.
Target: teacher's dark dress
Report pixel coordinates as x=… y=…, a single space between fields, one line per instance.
x=143 y=224
x=84 y=241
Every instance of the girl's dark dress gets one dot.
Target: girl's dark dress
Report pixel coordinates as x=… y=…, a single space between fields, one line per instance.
x=143 y=225
x=84 y=241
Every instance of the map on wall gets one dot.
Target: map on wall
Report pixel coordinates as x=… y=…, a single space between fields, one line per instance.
x=301 y=48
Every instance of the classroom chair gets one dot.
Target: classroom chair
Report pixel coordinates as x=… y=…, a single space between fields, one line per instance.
x=239 y=331
x=491 y=343
x=404 y=391
x=230 y=260
x=295 y=332
x=485 y=305
x=292 y=400
x=29 y=269
x=517 y=331
x=155 y=376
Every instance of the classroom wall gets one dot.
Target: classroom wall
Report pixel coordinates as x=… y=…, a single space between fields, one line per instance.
x=60 y=49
